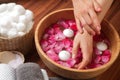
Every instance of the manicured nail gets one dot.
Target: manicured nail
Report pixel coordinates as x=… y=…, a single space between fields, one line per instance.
x=98 y=28
x=99 y=9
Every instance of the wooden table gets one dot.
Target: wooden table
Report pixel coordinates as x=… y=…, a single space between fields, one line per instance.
x=43 y=7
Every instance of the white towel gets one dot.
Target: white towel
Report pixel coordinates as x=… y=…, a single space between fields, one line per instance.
x=7 y=72
x=29 y=71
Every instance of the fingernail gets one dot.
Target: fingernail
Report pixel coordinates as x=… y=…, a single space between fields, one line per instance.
x=99 y=9
x=98 y=28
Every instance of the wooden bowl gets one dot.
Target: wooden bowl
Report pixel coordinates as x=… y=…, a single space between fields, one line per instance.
x=53 y=17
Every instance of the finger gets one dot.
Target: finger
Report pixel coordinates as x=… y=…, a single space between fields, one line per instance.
x=96 y=24
x=89 y=30
x=84 y=24
x=78 y=25
x=97 y=7
x=83 y=64
x=76 y=45
x=87 y=49
x=87 y=19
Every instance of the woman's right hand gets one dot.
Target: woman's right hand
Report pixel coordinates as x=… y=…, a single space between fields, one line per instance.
x=86 y=16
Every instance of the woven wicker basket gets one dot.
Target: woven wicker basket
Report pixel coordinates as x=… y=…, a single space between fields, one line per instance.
x=23 y=44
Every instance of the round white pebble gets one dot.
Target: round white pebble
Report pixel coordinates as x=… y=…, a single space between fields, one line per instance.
x=101 y=46
x=64 y=55
x=68 y=33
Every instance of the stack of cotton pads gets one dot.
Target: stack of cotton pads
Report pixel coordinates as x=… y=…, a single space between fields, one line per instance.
x=16 y=28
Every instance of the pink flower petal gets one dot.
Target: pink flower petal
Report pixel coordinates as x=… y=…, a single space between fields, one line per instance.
x=52 y=55
x=51 y=31
x=70 y=22
x=64 y=64
x=97 y=52
x=69 y=49
x=59 y=36
x=46 y=36
x=58 y=47
x=71 y=62
x=63 y=23
x=97 y=38
x=97 y=59
x=44 y=45
x=106 y=53
x=68 y=43
x=105 y=59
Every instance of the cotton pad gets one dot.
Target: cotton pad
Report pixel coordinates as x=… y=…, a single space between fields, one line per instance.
x=29 y=71
x=15 y=20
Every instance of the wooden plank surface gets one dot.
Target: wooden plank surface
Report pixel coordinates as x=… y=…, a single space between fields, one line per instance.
x=43 y=7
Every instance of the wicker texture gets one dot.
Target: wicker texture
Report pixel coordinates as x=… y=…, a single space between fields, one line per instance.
x=22 y=44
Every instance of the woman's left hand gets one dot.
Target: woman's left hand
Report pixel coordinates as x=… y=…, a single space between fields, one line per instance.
x=85 y=42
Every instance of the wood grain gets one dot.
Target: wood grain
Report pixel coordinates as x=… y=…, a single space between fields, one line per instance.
x=43 y=7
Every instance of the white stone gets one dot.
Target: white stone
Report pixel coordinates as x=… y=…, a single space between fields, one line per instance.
x=64 y=55
x=68 y=33
x=101 y=46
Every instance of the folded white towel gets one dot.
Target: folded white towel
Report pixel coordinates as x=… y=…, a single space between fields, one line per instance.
x=7 y=72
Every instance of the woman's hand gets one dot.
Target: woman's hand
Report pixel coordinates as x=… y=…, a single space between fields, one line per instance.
x=85 y=15
x=85 y=42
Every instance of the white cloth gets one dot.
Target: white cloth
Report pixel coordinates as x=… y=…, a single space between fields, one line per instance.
x=7 y=72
